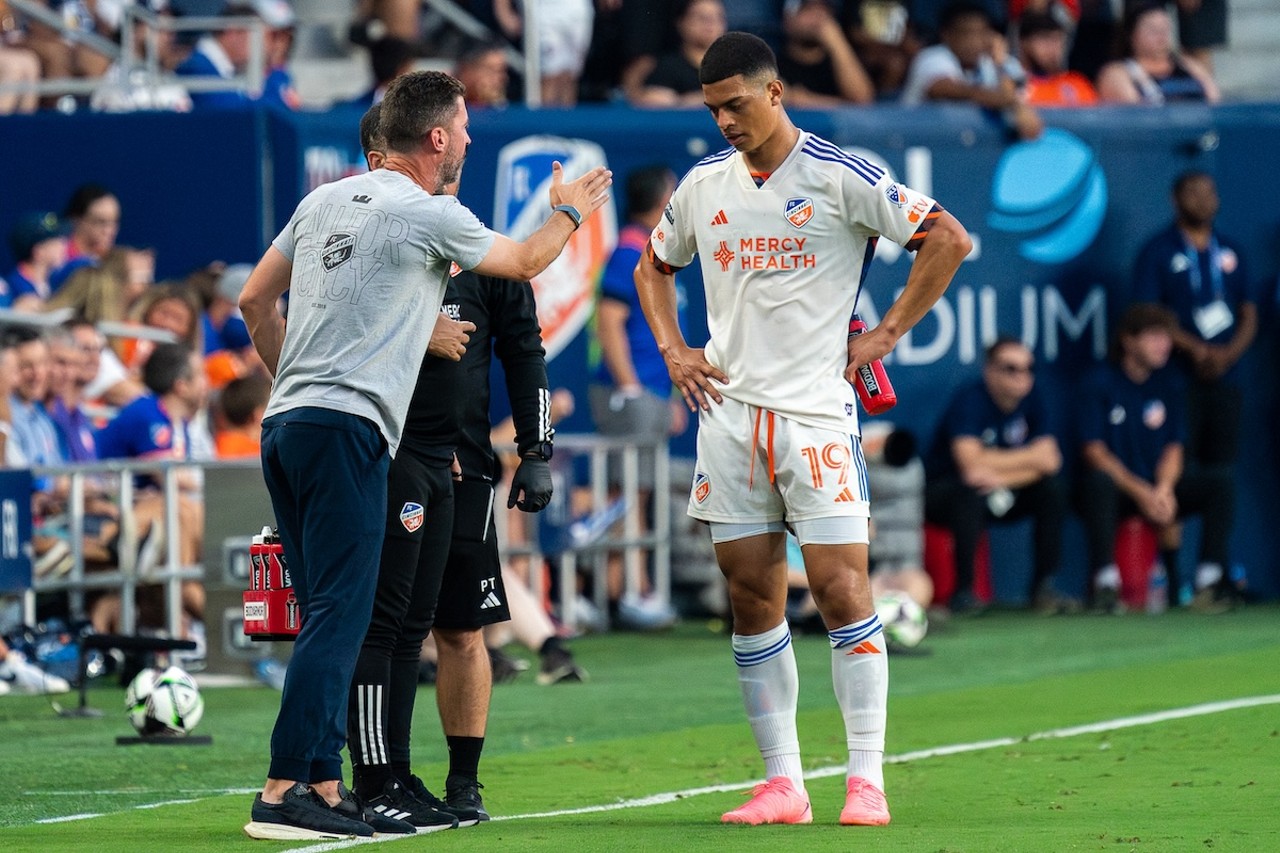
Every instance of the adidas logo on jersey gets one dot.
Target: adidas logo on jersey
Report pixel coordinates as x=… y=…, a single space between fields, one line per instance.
x=866 y=647
x=720 y=219
x=362 y=199
x=491 y=600
x=845 y=496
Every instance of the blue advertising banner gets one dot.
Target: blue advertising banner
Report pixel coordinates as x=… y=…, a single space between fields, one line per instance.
x=1056 y=225
x=15 y=531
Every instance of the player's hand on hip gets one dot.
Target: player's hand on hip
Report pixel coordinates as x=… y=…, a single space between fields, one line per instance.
x=533 y=479
x=588 y=193
x=692 y=374
x=449 y=338
x=866 y=348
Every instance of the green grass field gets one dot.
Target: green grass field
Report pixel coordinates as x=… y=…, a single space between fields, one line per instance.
x=662 y=716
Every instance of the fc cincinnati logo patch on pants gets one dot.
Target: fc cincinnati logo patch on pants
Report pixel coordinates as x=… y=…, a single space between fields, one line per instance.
x=411 y=516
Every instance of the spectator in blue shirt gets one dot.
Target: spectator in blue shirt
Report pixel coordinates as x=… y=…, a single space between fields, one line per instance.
x=995 y=460
x=39 y=245
x=1133 y=431
x=630 y=395
x=223 y=53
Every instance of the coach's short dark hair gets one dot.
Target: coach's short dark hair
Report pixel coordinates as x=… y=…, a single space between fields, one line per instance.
x=167 y=364
x=371 y=138
x=416 y=103
x=953 y=12
x=646 y=187
x=737 y=53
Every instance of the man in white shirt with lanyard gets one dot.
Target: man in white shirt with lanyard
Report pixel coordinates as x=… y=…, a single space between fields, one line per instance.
x=785 y=225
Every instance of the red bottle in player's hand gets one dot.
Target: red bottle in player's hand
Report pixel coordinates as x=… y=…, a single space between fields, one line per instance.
x=875 y=391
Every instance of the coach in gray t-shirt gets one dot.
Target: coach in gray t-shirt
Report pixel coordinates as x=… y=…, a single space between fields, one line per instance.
x=366 y=259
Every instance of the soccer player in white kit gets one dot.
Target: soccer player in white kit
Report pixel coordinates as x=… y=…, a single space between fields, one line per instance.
x=785 y=224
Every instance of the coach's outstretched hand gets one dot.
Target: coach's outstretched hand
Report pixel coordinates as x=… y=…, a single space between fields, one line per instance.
x=588 y=193
x=533 y=478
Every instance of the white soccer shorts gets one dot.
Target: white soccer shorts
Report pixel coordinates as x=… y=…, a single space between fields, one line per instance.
x=757 y=466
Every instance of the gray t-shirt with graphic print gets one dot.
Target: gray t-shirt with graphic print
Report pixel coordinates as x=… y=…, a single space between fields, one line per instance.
x=371 y=256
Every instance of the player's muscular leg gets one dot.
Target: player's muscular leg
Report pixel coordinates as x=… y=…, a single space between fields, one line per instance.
x=755 y=570
x=463 y=681
x=838 y=581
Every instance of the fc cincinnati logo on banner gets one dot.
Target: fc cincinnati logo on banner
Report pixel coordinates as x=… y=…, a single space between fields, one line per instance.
x=337 y=250
x=565 y=291
x=411 y=516
x=799 y=211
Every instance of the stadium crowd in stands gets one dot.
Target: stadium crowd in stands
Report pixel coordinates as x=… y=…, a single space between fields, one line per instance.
x=831 y=52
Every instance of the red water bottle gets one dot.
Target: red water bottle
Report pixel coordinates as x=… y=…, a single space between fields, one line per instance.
x=875 y=391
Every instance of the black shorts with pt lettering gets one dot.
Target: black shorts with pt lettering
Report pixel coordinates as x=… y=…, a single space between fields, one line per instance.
x=472 y=594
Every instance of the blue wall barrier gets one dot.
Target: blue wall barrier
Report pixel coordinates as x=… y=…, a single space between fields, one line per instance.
x=1057 y=225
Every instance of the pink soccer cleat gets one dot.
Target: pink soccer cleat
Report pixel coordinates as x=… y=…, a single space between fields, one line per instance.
x=775 y=801
x=865 y=805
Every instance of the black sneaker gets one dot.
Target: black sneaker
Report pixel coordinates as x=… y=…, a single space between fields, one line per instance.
x=462 y=797
x=558 y=665
x=385 y=821
x=505 y=668
x=398 y=804
x=303 y=814
x=420 y=793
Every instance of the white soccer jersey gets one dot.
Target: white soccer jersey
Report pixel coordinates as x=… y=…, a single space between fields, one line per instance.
x=781 y=264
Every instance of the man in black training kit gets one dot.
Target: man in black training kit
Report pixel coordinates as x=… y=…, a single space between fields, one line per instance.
x=425 y=582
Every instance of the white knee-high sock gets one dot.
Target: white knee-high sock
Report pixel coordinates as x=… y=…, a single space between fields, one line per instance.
x=860 y=674
x=770 y=691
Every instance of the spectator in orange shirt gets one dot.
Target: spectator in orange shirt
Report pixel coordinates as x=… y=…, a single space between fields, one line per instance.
x=1042 y=41
x=240 y=407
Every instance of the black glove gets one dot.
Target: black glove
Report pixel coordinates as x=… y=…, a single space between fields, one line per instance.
x=533 y=477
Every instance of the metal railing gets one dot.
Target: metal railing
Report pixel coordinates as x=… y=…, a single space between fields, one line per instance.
x=127 y=575
x=591 y=551
x=116 y=479
x=145 y=70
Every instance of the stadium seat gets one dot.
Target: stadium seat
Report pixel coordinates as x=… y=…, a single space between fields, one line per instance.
x=940 y=563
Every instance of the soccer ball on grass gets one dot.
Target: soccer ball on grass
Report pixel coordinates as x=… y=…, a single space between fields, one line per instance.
x=163 y=702
x=905 y=622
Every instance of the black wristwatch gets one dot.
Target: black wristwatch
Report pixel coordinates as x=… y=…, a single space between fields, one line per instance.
x=542 y=450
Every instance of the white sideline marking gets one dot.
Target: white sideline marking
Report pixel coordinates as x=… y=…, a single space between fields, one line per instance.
x=952 y=749
x=823 y=772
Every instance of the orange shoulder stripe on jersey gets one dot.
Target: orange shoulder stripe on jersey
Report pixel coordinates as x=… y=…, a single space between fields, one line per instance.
x=659 y=264
x=923 y=231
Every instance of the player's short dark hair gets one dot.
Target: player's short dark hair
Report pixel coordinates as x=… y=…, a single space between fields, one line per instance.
x=167 y=364
x=242 y=397
x=84 y=196
x=953 y=12
x=647 y=187
x=737 y=53
x=371 y=138
x=1180 y=182
x=416 y=103
x=1000 y=343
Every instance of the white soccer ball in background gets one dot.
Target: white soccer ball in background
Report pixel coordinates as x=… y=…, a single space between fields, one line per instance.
x=163 y=702
x=905 y=622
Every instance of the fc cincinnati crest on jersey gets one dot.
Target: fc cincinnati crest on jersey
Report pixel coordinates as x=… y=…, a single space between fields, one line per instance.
x=896 y=195
x=411 y=516
x=701 y=487
x=337 y=250
x=798 y=211
x=162 y=435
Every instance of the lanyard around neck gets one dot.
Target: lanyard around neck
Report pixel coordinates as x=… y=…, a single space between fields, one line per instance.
x=1215 y=267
